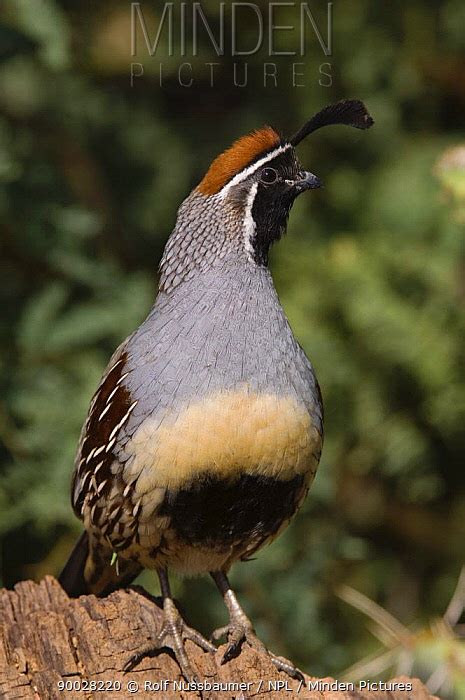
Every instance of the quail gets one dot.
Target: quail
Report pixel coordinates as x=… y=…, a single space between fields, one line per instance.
x=205 y=432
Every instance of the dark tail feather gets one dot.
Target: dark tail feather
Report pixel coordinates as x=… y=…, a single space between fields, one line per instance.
x=72 y=577
x=103 y=577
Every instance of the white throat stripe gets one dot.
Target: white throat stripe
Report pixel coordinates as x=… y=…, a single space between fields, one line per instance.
x=252 y=168
x=249 y=223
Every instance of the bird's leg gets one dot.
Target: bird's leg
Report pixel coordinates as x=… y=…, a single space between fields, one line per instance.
x=240 y=630
x=173 y=634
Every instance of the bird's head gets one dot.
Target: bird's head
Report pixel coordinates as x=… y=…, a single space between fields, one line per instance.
x=242 y=204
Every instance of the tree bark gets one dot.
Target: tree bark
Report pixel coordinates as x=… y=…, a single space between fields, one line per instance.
x=48 y=639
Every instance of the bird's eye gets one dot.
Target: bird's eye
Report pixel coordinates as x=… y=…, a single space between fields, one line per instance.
x=269 y=176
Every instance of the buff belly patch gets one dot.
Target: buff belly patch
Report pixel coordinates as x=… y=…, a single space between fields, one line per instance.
x=226 y=434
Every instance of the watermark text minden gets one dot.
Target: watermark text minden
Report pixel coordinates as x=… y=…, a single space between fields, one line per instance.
x=168 y=36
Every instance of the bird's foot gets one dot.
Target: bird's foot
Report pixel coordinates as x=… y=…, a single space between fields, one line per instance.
x=173 y=634
x=240 y=630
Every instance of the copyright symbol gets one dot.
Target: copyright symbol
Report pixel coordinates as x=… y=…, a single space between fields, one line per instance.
x=133 y=686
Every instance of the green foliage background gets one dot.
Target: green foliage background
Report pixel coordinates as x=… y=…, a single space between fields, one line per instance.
x=372 y=276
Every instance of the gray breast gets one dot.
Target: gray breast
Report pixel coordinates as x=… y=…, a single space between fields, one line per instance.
x=224 y=328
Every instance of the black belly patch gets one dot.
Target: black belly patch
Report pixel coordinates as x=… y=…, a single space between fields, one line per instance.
x=217 y=512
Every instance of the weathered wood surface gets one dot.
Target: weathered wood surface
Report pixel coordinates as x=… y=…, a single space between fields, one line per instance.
x=47 y=638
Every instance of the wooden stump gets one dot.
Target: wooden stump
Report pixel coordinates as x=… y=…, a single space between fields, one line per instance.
x=55 y=647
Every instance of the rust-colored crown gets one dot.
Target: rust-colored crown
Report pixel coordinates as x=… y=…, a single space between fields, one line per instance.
x=250 y=147
x=237 y=157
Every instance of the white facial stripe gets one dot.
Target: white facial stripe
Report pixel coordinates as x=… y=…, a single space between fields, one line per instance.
x=249 y=222
x=252 y=168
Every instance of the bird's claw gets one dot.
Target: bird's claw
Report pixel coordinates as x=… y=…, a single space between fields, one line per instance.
x=286 y=666
x=240 y=632
x=171 y=637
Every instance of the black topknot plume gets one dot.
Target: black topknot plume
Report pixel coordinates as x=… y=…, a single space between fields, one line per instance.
x=349 y=112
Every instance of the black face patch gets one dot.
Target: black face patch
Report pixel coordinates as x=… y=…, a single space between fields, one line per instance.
x=217 y=513
x=273 y=201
